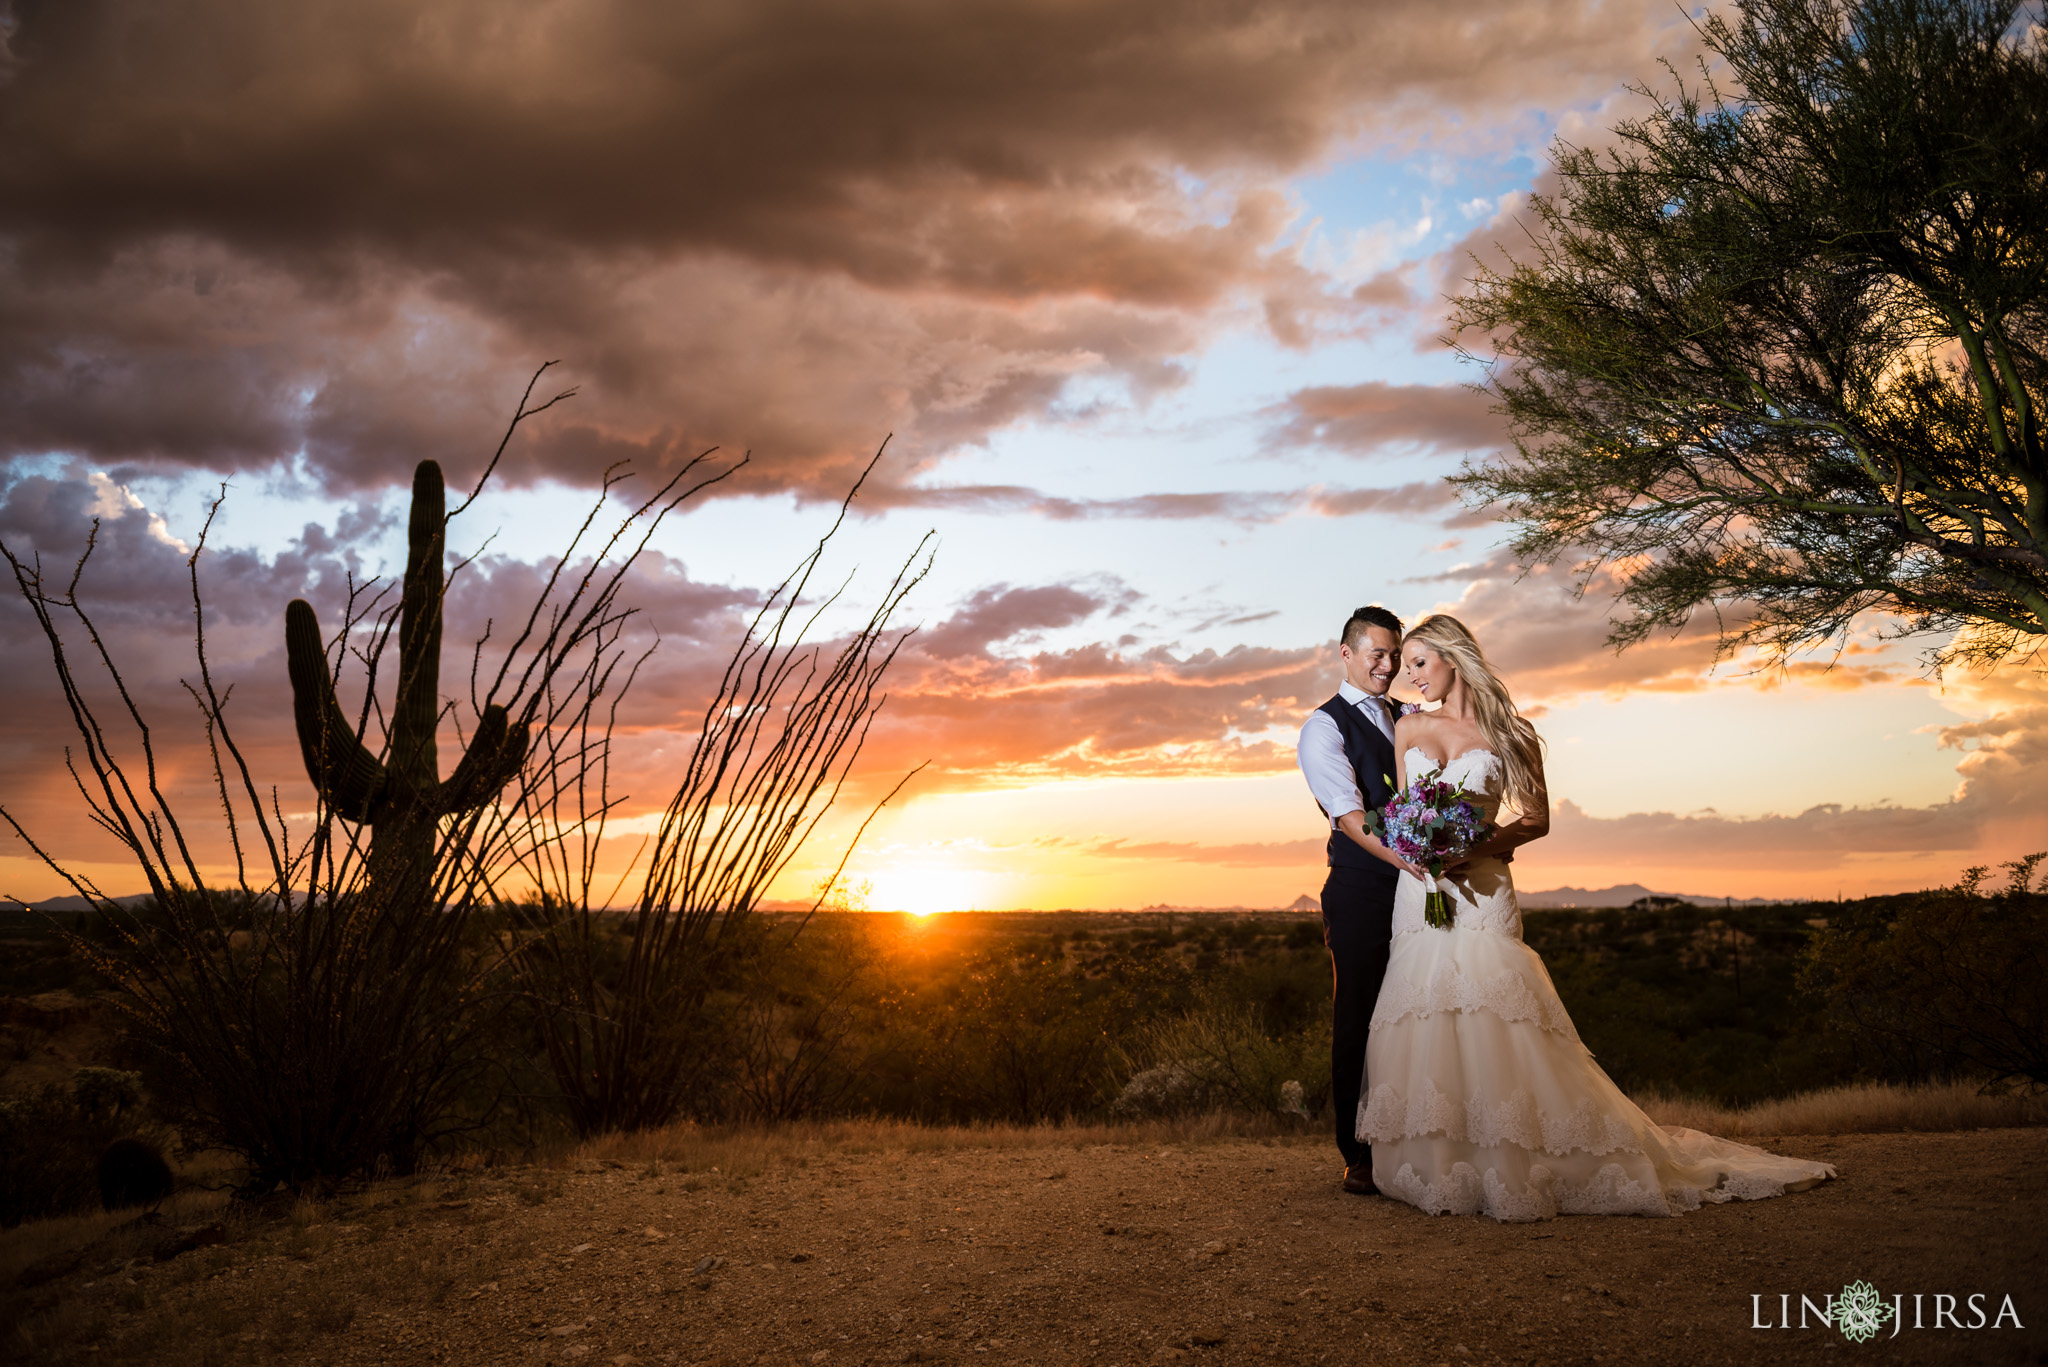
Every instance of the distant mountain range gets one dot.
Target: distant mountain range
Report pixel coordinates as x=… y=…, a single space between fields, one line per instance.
x=1620 y=895
x=67 y=903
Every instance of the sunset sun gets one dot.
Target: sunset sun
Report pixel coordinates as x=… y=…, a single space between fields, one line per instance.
x=926 y=890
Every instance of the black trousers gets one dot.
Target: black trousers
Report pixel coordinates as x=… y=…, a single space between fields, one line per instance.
x=1358 y=924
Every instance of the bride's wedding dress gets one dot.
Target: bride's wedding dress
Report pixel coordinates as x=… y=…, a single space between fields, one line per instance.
x=1481 y=1097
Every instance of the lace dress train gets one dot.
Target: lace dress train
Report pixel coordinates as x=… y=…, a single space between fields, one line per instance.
x=1480 y=1097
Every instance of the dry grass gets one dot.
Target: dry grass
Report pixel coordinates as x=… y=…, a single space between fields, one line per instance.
x=748 y=1150
x=120 y=1231
x=1865 y=1108
x=741 y=1151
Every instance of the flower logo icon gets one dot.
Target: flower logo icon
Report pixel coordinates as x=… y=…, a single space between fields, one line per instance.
x=1860 y=1312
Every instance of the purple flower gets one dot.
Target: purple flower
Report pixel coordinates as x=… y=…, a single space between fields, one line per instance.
x=1409 y=709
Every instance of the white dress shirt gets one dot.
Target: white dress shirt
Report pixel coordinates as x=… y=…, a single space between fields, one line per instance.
x=1320 y=752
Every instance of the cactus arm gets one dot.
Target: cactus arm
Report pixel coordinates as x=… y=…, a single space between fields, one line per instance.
x=494 y=755
x=344 y=772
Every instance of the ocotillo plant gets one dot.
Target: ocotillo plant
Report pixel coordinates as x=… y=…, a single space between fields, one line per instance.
x=779 y=735
x=403 y=798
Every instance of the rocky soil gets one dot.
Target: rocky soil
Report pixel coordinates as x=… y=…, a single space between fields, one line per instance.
x=1234 y=1251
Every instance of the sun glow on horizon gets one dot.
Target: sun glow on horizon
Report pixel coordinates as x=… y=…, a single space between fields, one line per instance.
x=924 y=890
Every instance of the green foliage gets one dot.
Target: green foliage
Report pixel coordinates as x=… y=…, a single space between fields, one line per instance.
x=978 y=1018
x=1692 y=1000
x=1946 y=984
x=1781 y=350
x=51 y=1139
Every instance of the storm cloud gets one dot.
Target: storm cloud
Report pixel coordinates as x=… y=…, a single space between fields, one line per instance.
x=234 y=233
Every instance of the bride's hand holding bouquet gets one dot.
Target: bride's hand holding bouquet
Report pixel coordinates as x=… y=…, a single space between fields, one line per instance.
x=1431 y=826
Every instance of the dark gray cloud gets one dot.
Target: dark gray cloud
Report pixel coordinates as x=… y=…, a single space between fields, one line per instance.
x=233 y=233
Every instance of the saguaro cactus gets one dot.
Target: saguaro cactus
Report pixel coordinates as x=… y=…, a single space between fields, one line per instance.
x=403 y=798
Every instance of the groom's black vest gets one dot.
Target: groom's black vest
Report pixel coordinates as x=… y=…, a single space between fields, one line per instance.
x=1372 y=763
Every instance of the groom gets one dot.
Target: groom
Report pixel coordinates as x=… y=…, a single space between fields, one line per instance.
x=1346 y=753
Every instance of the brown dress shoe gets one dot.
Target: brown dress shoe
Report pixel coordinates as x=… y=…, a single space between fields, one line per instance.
x=1358 y=1180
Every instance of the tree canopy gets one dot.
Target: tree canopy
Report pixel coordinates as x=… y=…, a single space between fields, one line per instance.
x=1777 y=352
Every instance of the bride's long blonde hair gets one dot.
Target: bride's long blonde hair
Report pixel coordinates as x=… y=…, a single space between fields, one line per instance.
x=1508 y=733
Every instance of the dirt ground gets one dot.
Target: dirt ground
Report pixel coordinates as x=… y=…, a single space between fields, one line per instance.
x=1233 y=1251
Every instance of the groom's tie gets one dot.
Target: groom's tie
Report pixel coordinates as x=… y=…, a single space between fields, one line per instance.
x=1376 y=709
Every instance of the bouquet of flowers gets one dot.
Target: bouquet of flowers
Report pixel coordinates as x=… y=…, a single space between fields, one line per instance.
x=1431 y=824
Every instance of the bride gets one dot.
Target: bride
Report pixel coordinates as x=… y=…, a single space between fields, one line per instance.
x=1480 y=1096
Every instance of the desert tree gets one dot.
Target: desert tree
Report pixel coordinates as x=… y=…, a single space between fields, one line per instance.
x=1948 y=983
x=314 y=1003
x=625 y=968
x=1778 y=351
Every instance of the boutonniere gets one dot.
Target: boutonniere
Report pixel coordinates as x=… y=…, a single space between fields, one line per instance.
x=1410 y=707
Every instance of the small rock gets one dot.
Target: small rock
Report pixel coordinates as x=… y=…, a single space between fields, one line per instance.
x=821 y=1355
x=801 y=1258
x=1207 y=1338
x=709 y=1264
x=653 y=1234
x=564 y=1330
x=579 y=1350
x=583 y=1248
x=1215 y=1248
x=1170 y=1354
x=702 y=1283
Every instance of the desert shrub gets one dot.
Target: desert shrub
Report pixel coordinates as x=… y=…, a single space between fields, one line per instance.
x=1693 y=1000
x=51 y=1140
x=803 y=1020
x=1223 y=1055
x=132 y=1172
x=314 y=1039
x=1015 y=1038
x=1944 y=984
